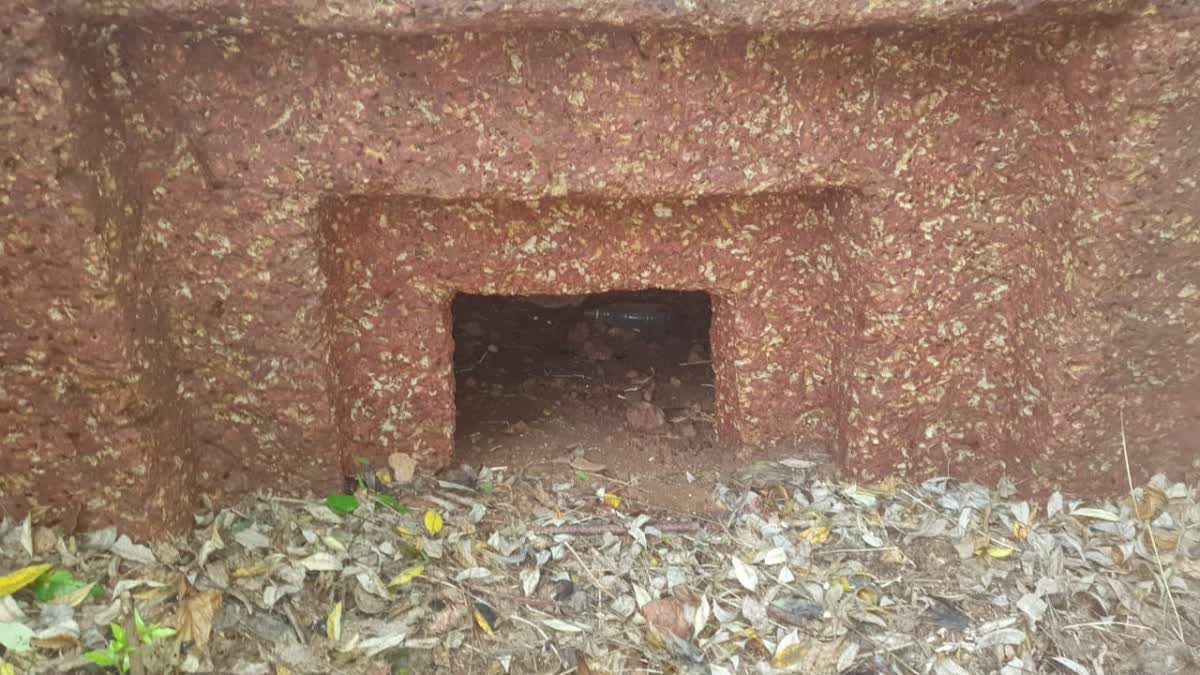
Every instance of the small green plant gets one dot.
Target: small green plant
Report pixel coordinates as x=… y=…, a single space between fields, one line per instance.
x=116 y=653
x=345 y=504
x=59 y=582
x=149 y=632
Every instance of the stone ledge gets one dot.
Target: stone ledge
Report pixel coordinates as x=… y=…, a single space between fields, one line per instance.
x=432 y=16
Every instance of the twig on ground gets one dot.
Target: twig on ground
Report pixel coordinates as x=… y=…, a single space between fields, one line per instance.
x=1106 y=624
x=615 y=528
x=287 y=500
x=291 y=616
x=588 y=570
x=544 y=604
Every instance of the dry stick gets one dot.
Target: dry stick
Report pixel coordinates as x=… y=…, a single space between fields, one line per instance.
x=869 y=549
x=862 y=549
x=545 y=637
x=1162 y=573
x=1106 y=624
x=544 y=604
x=588 y=570
x=287 y=500
x=536 y=627
x=291 y=616
x=618 y=529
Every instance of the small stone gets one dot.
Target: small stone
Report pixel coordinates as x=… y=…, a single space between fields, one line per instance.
x=686 y=429
x=667 y=615
x=645 y=416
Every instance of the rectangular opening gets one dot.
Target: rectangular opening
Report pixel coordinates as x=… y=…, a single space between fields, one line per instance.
x=625 y=377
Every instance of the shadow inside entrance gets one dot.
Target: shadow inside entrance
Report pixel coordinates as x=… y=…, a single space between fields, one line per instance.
x=621 y=379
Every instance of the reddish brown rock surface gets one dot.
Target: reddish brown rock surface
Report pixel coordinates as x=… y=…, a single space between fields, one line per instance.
x=939 y=237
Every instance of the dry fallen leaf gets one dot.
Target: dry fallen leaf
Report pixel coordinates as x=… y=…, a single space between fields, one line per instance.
x=745 y=574
x=194 y=617
x=74 y=598
x=550 y=541
x=789 y=652
x=15 y=581
x=815 y=535
x=485 y=617
x=333 y=623
x=1096 y=514
x=1151 y=504
x=433 y=522
x=407 y=575
x=667 y=615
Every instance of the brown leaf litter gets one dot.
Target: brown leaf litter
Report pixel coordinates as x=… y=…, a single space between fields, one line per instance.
x=797 y=573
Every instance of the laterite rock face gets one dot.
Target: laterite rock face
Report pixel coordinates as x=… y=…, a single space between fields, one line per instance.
x=937 y=239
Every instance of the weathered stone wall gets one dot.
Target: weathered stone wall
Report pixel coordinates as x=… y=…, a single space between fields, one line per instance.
x=939 y=239
x=768 y=261
x=85 y=423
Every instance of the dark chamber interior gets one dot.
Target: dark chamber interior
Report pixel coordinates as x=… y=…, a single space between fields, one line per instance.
x=608 y=373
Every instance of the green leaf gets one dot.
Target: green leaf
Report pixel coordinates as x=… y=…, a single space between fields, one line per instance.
x=486 y=487
x=55 y=584
x=119 y=636
x=581 y=475
x=103 y=659
x=158 y=632
x=391 y=502
x=16 y=637
x=361 y=461
x=342 y=504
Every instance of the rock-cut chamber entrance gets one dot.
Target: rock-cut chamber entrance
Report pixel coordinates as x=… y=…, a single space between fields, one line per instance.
x=624 y=378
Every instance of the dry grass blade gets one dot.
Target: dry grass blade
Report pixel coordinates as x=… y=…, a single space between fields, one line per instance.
x=1162 y=572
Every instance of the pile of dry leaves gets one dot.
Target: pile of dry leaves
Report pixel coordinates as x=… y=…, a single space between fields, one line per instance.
x=488 y=571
